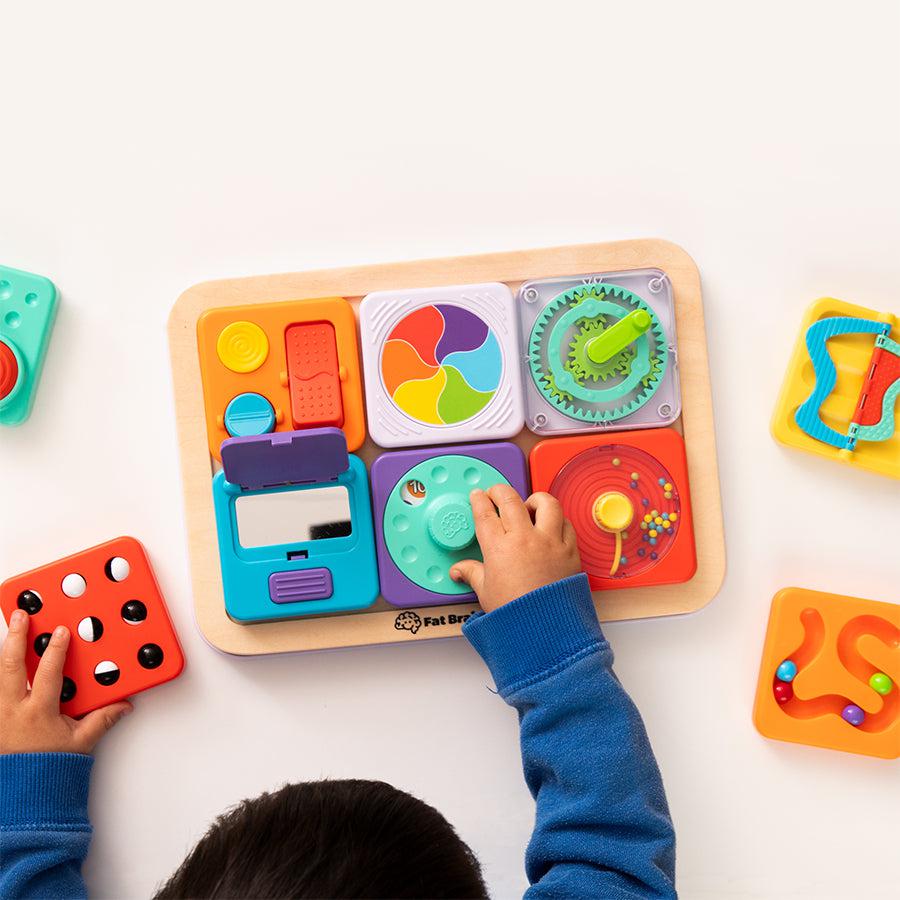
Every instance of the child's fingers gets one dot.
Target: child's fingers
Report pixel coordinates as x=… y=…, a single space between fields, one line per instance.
x=488 y=526
x=47 y=684
x=469 y=571
x=570 y=536
x=548 y=513
x=14 y=681
x=513 y=514
x=95 y=724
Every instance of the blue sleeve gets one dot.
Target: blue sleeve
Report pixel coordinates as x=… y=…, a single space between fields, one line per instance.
x=602 y=825
x=44 y=827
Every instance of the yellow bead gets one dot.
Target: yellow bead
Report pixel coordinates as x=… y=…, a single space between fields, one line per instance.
x=648 y=518
x=667 y=486
x=653 y=532
x=673 y=517
x=617 y=461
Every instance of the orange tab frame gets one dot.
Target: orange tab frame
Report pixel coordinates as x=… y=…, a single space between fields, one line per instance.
x=830 y=673
x=300 y=356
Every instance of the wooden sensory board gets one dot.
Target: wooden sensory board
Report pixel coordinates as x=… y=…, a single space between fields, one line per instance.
x=376 y=625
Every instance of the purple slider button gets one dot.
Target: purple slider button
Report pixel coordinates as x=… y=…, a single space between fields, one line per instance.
x=295 y=587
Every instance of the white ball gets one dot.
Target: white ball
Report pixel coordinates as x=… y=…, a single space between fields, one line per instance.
x=106 y=672
x=118 y=568
x=74 y=585
x=90 y=629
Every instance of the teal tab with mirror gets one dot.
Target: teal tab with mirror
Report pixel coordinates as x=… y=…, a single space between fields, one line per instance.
x=294 y=524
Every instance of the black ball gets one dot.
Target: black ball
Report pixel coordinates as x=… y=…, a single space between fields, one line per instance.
x=40 y=643
x=150 y=656
x=134 y=611
x=31 y=602
x=68 y=690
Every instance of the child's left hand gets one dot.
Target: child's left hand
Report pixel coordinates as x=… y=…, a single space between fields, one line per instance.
x=30 y=720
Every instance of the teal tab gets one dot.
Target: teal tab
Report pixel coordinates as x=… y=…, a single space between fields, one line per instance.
x=27 y=311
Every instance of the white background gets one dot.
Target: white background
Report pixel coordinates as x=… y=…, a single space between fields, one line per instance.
x=142 y=151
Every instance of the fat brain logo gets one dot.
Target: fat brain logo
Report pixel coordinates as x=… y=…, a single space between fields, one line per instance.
x=411 y=621
x=408 y=621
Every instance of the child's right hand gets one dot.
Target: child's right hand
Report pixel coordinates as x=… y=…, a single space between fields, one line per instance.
x=30 y=720
x=525 y=544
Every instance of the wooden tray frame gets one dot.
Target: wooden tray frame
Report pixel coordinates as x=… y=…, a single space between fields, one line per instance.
x=380 y=626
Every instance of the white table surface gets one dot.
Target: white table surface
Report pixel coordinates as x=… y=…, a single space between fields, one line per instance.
x=143 y=152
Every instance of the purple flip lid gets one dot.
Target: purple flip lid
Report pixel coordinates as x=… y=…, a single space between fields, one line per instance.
x=287 y=457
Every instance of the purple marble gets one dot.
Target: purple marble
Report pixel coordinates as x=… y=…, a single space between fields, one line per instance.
x=853 y=714
x=463 y=330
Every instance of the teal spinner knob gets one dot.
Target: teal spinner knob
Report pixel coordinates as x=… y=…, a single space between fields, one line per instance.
x=450 y=523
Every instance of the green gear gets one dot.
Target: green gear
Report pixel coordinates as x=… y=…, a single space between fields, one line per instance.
x=553 y=389
x=656 y=369
x=563 y=371
x=583 y=367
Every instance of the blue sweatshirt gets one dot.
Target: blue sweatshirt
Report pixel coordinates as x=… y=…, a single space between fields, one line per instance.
x=602 y=826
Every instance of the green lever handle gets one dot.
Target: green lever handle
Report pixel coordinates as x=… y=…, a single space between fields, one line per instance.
x=615 y=339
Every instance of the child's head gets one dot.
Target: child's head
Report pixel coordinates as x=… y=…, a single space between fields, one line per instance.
x=330 y=839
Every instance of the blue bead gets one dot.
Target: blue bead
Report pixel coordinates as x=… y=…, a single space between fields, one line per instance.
x=623 y=560
x=786 y=671
x=665 y=515
x=652 y=542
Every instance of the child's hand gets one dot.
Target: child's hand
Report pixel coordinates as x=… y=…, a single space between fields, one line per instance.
x=526 y=545
x=30 y=721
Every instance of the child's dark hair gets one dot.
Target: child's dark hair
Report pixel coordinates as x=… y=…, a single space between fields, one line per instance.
x=328 y=839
